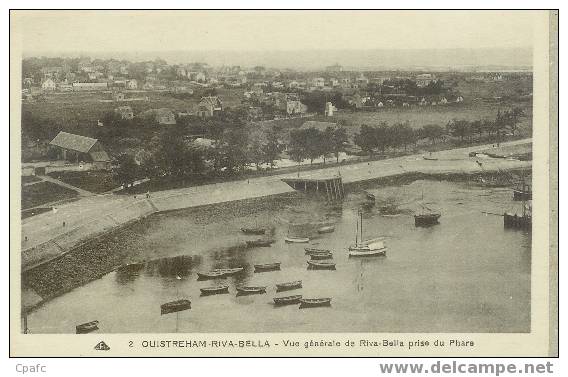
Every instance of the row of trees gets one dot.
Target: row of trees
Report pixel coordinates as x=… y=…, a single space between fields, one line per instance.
x=234 y=147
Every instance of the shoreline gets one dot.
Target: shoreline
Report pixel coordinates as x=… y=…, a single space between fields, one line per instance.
x=106 y=252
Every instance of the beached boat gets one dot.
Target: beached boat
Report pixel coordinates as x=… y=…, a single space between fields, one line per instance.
x=288 y=286
x=296 y=239
x=261 y=242
x=313 y=250
x=369 y=247
x=216 y=274
x=321 y=265
x=175 y=306
x=86 y=328
x=326 y=229
x=314 y=302
x=266 y=267
x=288 y=300
x=214 y=290
x=369 y=196
x=255 y=230
x=250 y=290
x=429 y=158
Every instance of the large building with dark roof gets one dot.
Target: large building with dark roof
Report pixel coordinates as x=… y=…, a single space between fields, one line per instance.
x=77 y=148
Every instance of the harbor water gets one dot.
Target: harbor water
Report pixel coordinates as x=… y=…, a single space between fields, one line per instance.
x=466 y=274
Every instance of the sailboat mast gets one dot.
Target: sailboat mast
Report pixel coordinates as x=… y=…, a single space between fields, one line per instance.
x=361 y=213
x=357 y=232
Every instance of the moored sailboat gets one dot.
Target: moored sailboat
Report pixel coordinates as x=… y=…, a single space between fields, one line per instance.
x=369 y=247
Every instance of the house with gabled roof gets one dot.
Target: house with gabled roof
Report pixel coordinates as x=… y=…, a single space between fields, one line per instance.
x=208 y=106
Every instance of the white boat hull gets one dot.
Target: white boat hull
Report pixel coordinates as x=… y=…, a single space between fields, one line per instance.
x=362 y=252
x=296 y=240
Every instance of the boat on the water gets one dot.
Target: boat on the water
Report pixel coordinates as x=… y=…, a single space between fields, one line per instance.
x=218 y=274
x=288 y=286
x=266 y=267
x=312 y=250
x=321 y=265
x=427 y=216
x=288 y=300
x=522 y=221
x=296 y=239
x=321 y=256
x=314 y=302
x=261 y=242
x=229 y=271
x=368 y=247
x=175 y=306
x=326 y=229
x=426 y=219
x=429 y=158
x=255 y=230
x=214 y=290
x=250 y=290
x=86 y=328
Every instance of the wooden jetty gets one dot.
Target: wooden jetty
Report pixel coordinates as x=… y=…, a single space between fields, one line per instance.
x=332 y=188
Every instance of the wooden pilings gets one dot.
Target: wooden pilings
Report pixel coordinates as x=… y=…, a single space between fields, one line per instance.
x=331 y=188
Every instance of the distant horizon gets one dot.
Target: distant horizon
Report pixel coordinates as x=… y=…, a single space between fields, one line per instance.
x=510 y=58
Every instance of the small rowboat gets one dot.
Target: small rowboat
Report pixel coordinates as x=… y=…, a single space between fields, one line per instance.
x=86 y=328
x=266 y=267
x=326 y=229
x=259 y=242
x=311 y=251
x=288 y=300
x=175 y=306
x=321 y=256
x=369 y=196
x=429 y=158
x=229 y=271
x=215 y=274
x=296 y=239
x=314 y=302
x=367 y=252
x=250 y=290
x=253 y=230
x=321 y=265
x=288 y=286
x=214 y=290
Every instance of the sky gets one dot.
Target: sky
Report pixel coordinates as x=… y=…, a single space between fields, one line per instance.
x=113 y=31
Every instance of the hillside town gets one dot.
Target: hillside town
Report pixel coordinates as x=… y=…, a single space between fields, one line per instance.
x=108 y=125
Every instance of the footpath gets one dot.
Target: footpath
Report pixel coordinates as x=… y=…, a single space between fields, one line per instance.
x=49 y=235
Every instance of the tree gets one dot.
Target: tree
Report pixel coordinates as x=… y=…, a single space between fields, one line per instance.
x=433 y=132
x=272 y=148
x=459 y=128
x=297 y=146
x=127 y=171
x=337 y=136
x=366 y=140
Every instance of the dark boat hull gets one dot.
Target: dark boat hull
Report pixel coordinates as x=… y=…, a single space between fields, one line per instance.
x=426 y=220
x=175 y=306
x=517 y=222
x=519 y=195
x=267 y=267
x=259 y=243
x=256 y=231
x=321 y=256
x=86 y=328
x=289 y=300
x=251 y=291
x=214 y=290
x=288 y=286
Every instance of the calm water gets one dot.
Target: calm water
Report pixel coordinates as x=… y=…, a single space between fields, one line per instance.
x=467 y=274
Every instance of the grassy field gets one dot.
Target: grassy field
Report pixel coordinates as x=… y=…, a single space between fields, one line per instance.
x=93 y=181
x=44 y=192
x=421 y=116
x=30 y=179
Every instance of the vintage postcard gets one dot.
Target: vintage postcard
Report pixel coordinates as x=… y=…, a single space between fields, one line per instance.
x=283 y=183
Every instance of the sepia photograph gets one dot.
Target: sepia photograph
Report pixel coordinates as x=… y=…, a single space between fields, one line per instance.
x=279 y=172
